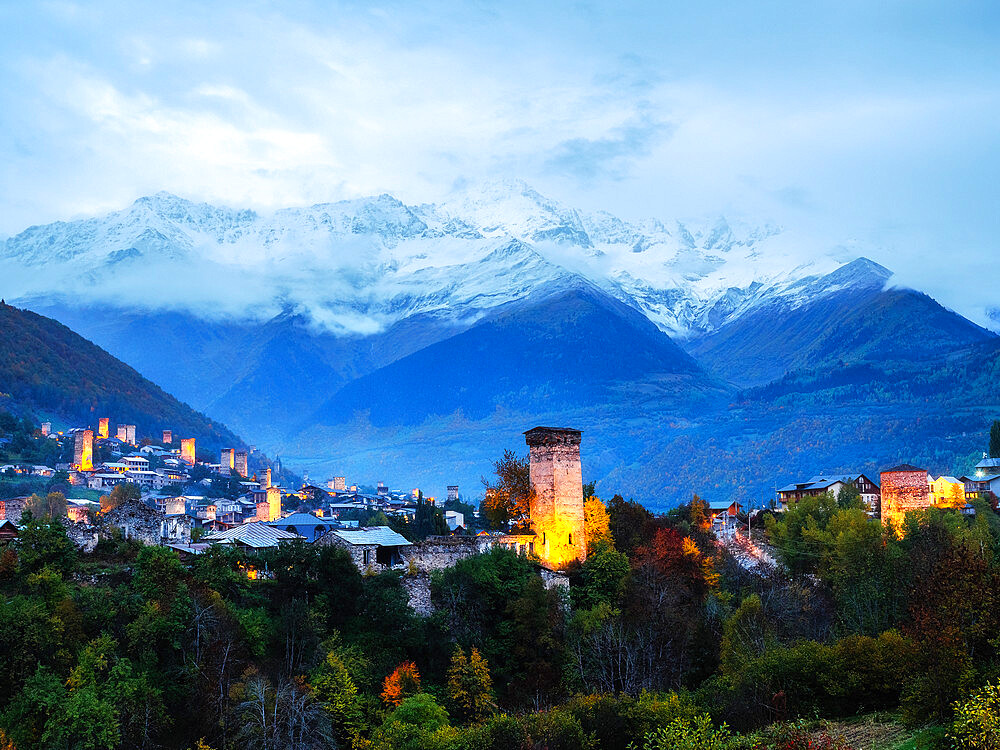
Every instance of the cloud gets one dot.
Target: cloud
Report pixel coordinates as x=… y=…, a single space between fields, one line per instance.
x=610 y=156
x=873 y=122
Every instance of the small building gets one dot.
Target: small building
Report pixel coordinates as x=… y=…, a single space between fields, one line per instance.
x=8 y=531
x=251 y=535
x=724 y=512
x=307 y=525
x=833 y=483
x=371 y=548
x=454 y=519
x=948 y=492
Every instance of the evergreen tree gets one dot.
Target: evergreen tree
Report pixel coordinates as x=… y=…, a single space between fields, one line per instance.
x=995 y=439
x=470 y=686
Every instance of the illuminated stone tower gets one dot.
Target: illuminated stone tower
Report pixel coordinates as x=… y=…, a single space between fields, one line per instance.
x=102 y=427
x=557 y=506
x=122 y=433
x=266 y=484
x=228 y=459
x=83 y=450
x=130 y=434
x=168 y=437
x=240 y=463
x=187 y=451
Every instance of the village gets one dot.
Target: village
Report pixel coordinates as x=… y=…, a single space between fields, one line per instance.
x=167 y=504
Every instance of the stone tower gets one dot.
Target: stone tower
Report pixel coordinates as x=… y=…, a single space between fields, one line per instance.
x=168 y=437
x=83 y=450
x=557 y=506
x=240 y=463
x=227 y=459
x=102 y=427
x=187 y=451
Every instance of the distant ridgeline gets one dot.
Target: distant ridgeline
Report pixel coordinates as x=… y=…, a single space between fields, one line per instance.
x=51 y=372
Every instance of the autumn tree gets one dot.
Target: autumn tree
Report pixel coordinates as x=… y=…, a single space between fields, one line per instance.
x=508 y=497
x=52 y=505
x=470 y=686
x=118 y=495
x=401 y=684
x=597 y=523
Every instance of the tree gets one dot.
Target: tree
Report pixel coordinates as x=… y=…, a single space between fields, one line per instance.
x=118 y=495
x=995 y=439
x=401 y=684
x=333 y=687
x=977 y=720
x=630 y=524
x=597 y=522
x=53 y=505
x=508 y=497
x=470 y=686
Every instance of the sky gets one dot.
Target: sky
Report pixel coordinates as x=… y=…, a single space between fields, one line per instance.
x=872 y=123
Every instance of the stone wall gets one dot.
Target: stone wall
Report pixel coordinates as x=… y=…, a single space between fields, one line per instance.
x=135 y=520
x=12 y=508
x=418 y=590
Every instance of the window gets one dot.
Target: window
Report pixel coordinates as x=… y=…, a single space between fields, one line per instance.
x=543 y=537
x=571 y=540
x=366 y=557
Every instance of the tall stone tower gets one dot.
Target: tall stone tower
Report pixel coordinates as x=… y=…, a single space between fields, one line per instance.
x=130 y=434
x=168 y=437
x=102 y=427
x=557 y=506
x=122 y=433
x=240 y=463
x=227 y=459
x=187 y=451
x=83 y=450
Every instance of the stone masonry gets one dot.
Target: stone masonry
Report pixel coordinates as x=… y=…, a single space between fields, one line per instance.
x=557 y=504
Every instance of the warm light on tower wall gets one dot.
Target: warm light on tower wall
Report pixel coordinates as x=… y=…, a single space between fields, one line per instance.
x=102 y=427
x=187 y=451
x=83 y=451
x=556 y=507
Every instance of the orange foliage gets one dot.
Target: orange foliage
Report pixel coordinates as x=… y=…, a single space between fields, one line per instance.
x=401 y=684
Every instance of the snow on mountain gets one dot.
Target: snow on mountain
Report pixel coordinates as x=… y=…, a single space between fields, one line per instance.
x=358 y=266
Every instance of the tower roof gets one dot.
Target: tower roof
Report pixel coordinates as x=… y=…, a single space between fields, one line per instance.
x=552 y=436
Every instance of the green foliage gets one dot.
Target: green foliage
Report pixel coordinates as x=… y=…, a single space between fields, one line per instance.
x=602 y=577
x=995 y=439
x=977 y=720
x=696 y=734
x=43 y=543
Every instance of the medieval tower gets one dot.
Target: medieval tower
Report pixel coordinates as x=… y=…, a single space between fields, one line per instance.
x=168 y=437
x=83 y=450
x=102 y=428
x=556 y=508
x=187 y=451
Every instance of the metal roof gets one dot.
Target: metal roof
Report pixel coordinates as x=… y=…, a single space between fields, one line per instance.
x=382 y=536
x=302 y=519
x=252 y=534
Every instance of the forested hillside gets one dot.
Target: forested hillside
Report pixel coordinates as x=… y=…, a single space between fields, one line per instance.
x=48 y=369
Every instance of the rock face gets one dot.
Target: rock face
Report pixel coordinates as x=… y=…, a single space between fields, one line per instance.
x=557 y=503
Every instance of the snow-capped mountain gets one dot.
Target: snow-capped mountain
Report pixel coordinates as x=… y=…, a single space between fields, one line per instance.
x=360 y=266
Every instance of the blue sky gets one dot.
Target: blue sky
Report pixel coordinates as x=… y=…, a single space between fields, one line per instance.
x=860 y=122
